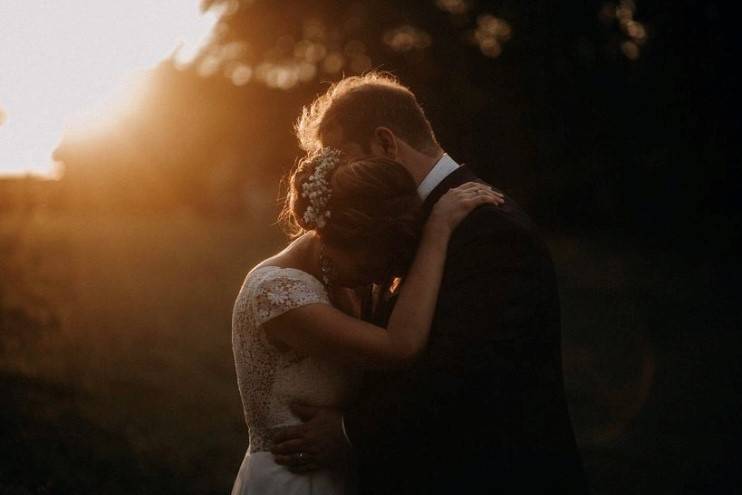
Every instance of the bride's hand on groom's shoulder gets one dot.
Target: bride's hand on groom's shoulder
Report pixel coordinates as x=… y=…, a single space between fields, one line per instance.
x=458 y=202
x=317 y=443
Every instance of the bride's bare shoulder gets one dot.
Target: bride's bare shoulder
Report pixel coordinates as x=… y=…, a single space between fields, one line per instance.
x=287 y=258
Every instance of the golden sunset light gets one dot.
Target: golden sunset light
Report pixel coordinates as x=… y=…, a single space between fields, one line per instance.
x=368 y=247
x=68 y=65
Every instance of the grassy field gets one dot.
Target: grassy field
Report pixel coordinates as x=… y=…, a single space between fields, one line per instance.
x=140 y=364
x=116 y=370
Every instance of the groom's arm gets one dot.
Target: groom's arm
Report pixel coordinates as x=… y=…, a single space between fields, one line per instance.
x=490 y=270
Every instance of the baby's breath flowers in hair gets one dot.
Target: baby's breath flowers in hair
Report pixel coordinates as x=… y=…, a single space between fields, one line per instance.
x=317 y=188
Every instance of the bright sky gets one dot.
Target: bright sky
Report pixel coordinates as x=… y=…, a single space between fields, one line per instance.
x=64 y=63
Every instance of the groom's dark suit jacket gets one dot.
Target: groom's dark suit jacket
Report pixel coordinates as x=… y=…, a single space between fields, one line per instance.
x=483 y=410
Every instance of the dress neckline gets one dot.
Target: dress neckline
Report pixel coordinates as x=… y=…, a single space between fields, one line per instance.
x=291 y=269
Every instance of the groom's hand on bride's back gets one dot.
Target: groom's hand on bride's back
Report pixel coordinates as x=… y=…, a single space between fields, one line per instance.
x=318 y=442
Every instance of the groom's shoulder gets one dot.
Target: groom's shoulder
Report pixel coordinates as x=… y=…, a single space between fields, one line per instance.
x=507 y=226
x=507 y=217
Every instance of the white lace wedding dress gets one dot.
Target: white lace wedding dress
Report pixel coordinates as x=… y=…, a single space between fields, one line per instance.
x=269 y=379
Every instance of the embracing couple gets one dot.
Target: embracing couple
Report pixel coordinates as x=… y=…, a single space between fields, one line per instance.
x=408 y=340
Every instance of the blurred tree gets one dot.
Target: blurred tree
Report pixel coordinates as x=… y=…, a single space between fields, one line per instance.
x=594 y=114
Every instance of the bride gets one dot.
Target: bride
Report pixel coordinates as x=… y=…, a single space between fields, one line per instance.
x=297 y=327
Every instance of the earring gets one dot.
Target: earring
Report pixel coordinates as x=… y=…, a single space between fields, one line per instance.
x=326 y=266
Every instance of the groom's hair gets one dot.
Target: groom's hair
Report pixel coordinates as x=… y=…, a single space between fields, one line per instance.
x=357 y=105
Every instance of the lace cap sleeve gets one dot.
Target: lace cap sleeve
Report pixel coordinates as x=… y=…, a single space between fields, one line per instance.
x=282 y=289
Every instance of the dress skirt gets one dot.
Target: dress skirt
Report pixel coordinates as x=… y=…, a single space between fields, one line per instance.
x=260 y=475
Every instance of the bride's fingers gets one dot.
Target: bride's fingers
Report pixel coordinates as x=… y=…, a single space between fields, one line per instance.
x=485 y=198
x=469 y=185
x=473 y=187
x=496 y=198
x=490 y=191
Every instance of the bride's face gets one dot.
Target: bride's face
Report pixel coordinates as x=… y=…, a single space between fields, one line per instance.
x=356 y=268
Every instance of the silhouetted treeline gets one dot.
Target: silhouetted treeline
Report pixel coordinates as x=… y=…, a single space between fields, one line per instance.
x=595 y=115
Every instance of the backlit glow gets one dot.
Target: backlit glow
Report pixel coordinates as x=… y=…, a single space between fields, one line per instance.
x=70 y=64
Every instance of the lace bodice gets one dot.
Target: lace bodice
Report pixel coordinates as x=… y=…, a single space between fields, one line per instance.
x=270 y=378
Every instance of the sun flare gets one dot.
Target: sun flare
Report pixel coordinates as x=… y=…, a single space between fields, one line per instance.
x=67 y=64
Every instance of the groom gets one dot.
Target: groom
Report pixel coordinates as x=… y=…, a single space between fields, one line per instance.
x=483 y=410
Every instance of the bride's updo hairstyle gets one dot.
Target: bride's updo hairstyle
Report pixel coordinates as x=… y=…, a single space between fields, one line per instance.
x=374 y=207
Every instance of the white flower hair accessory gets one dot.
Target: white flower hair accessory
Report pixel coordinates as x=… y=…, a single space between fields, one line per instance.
x=317 y=188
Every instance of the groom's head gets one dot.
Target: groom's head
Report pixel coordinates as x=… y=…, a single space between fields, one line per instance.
x=372 y=115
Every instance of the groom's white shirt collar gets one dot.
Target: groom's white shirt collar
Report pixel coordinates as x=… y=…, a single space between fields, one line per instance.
x=440 y=171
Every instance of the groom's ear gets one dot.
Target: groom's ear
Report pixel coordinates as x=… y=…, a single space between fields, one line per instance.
x=386 y=141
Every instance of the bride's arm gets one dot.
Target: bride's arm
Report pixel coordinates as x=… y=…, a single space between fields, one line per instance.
x=323 y=331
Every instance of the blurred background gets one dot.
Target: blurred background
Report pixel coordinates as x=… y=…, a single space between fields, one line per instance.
x=142 y=146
